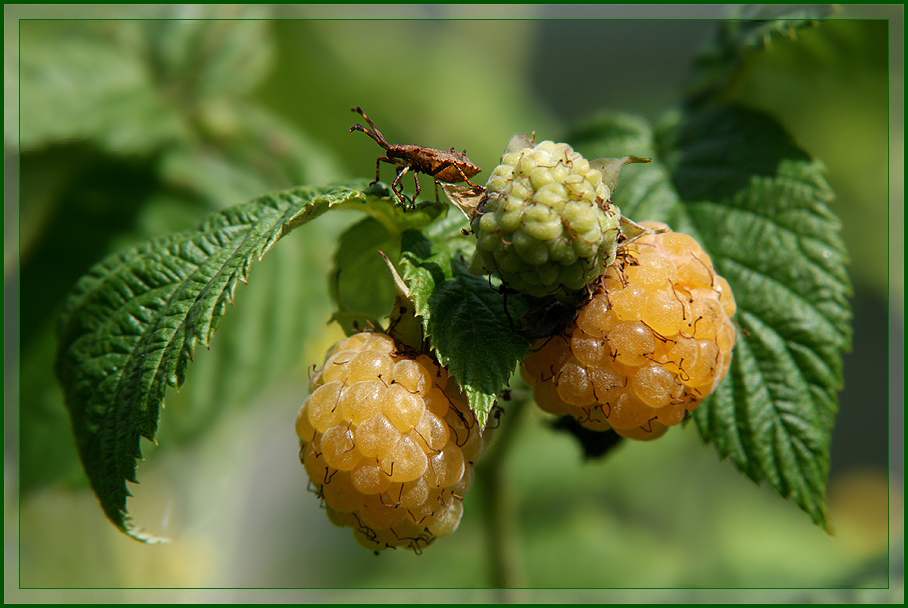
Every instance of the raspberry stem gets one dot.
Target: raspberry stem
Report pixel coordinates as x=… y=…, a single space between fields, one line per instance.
x=500 y=509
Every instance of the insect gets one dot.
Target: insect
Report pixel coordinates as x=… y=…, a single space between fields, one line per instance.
x=443 y=166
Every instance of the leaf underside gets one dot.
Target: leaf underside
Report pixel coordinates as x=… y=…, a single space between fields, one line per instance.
x=734 y=180
x=131 y=324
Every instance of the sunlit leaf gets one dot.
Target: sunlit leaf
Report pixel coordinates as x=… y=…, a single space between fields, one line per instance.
x=130 y=326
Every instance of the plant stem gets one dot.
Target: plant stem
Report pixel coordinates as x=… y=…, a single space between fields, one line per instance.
x=499 y=504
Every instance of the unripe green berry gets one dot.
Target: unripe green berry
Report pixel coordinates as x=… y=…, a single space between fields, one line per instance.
x=546 y=225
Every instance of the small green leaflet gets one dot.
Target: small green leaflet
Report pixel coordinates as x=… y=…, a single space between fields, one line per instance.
x=734 y=180
x=361 y=284
x=463 y=316
x=130 y=326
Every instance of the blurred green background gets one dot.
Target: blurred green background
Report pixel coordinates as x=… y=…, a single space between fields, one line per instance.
x=130 y=128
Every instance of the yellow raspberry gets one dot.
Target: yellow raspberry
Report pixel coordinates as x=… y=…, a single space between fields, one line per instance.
x=648 y=348
x=388 y=442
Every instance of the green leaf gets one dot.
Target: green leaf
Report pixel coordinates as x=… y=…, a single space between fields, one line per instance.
x=361 y=283
x=133 y=87
x=80 y=85
x=748 y=33
x=253 y=151
x=92 y=204
x=262 y=341
x=462 y=315
x=131 y=325
x=47 y=452
x=734 y=180
x=207 y=57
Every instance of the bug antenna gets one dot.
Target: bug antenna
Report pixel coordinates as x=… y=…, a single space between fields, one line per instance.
x=374 y=133
x=376 y=136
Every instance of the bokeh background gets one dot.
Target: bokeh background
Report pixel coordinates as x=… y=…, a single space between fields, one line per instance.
x=133 y=127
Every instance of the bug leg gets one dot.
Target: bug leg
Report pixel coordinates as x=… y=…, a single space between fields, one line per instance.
x=378 y=162
x=463 y=175
x=377 y=171
x=444 y=165
x=416 y=180
x=438 y=170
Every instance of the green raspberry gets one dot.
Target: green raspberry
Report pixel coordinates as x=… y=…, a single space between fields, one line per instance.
x=546 y=225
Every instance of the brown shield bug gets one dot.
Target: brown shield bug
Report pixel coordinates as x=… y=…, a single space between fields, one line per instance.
x=443 y=166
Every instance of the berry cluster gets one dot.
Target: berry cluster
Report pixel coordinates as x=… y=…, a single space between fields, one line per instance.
x=647 y=348
x=388 y=442
x=546 y=224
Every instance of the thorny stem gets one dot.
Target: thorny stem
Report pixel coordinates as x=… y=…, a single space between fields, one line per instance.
x=500 y=509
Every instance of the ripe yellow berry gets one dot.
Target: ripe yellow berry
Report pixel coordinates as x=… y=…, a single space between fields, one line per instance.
x=648 y=348
x=388 y=442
